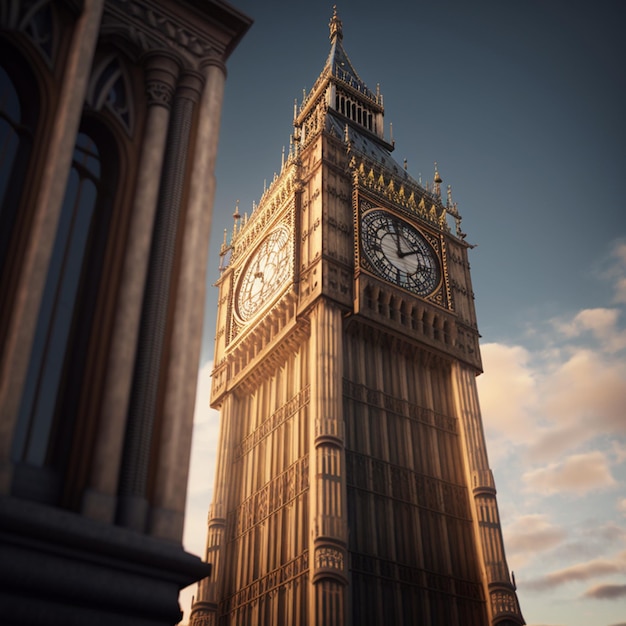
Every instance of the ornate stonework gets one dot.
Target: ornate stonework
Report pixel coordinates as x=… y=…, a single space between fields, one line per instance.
x=352 y=482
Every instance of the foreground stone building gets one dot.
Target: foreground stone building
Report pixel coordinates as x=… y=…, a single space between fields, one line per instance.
x=352 y=482
x=109 y=115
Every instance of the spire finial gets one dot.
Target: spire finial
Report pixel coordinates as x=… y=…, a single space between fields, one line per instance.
x=236 y=220
x=437 y=178
x=437 y=182
x=335 y=25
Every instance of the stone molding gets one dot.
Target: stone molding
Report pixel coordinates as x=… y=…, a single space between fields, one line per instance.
x=150 y=26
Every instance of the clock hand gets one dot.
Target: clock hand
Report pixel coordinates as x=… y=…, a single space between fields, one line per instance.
x=402 y=254
x=396 y=236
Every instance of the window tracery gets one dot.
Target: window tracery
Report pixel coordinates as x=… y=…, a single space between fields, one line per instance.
x=108 y=89
x=35 y=18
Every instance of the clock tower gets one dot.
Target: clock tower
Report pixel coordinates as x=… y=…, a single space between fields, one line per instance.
x=352 y=482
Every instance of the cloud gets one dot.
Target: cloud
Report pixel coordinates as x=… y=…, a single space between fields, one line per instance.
x=611 y=532
x=606 y=592
x=507 y=391
x=574 y=573
x=550 y=402
x=578 y=474
x=532 y=533
x=602 y=323
x=619 y=253
x=579 y=572
x=620 y=290
x=621 y=506
x=582 y=397
x=588 y=538
x=618 y=451
x=567 y=393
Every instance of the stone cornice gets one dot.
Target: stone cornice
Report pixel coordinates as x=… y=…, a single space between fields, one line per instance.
x=152 y=26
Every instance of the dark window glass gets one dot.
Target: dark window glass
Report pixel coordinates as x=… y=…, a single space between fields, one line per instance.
x=58 y=305
x=16 y=133
x=10 y=116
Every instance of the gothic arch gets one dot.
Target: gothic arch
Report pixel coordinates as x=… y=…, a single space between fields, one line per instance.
x=25 y=111
x=110 y=88
x=38 y=21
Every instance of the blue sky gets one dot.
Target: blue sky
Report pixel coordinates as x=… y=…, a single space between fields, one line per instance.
x=522 y=106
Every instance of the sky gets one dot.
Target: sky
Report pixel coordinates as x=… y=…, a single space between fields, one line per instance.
x=521 y=104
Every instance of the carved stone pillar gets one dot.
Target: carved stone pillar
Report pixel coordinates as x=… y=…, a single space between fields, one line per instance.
x=204 y=611
x=100 y=498
x=328 y=499
x=167 y=514
x=502 y=599
x=143 y=407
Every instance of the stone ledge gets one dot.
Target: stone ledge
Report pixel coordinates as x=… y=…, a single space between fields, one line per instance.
x=57 y=567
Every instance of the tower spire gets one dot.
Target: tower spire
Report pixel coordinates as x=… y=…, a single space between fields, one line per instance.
x=336 y=27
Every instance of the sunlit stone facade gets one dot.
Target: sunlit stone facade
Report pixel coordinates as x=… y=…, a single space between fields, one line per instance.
x=352 y=482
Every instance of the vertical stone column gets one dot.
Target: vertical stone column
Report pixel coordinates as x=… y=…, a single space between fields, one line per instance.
x=499 y=590
x=15 y=354
x=161 y=72
x=328 y=550
x=138 y=449
x=204 y=609
x=167 y=515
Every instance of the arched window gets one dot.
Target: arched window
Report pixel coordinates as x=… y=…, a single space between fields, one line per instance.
x=17 y=123
x=10 y=117
x=68 y=303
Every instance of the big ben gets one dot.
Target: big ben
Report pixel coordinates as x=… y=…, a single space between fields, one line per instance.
x=352 y=482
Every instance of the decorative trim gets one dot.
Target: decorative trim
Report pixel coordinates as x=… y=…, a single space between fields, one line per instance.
x=109 y=88
x=296 y=404
x=366 y=565
x=274 y=495
x=279 y=578
x=366 y=473
x=398 y=406
x=278 y=197
x=504 y=602
x=159 y=93
x=150 y=27
x=329 y=558
x=409 y=198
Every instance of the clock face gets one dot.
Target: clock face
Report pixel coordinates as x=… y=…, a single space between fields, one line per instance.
x=399 y=253
x=266 y=272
